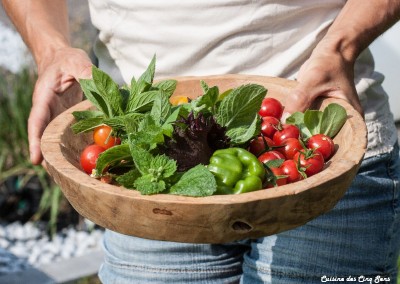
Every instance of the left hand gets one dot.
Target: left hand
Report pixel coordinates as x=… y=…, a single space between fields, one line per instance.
x=325 y=74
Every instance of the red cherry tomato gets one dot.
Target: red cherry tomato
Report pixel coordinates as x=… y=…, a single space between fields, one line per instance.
x=260 y=144
x=290 y=147
x=323 y=143
x=313 y=163
x=271 y=107
x=102 y=137
x=269 y=126
x=280 y=178
x=270 y=155
x=289 y=168
x=89 y=157
x=286 y=131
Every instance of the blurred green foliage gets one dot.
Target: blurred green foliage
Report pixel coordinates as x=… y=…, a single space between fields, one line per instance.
x=15 y=104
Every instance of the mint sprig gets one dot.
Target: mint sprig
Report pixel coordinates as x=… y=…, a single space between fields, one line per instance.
x=238 y=112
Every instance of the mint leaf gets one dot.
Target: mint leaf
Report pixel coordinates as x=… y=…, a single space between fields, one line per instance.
x=312 y=120
x=238 y=112
x=142 y=102
x=108 y=90
x=167 y=86
x=161 y=108
x=141 y=157
x=242 y=134
x=147 y=185
x=204 y=86
x=127 y=180
x=125 y=123
x=168 y=127
x=333 y=118
x=149 y=134
x=85 y=114
x=162 y=167
x=112 y=156
x=207 y=101
x=197 y=181
x=240 y=106
x=87 y=124
x=145 y=80
x=89 y=89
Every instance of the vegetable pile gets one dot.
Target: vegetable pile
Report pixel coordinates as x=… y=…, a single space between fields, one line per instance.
x=219 y=143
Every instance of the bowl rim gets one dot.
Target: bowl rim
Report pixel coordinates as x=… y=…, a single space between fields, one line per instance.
x=52 y=143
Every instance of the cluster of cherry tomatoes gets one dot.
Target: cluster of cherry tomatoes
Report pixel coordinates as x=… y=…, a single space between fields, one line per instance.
x=295 y=158
x=103 y=140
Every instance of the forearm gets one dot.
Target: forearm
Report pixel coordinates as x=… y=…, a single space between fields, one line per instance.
x=359 y=24
x=43 y=25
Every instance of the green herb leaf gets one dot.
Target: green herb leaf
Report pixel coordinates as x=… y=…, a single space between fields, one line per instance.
x=333 y=118
x=141 y=157
x=297 y=119
x=142 y=102
x=91 y=93
x=167 y=86
x=145 y=80
x=147 y=185
x=207 y=101
x=274 y=163
x=162 y=167
x=111 y=156
x=167 y=127
x=125 y=123
x=241 y=134
x=312 y=120
x=149 y=134
x=85 y=114
x=161 y=108
x=87 y=124
x=127 y=180
x=197 y=181
x=240 y=106
x=108 y=90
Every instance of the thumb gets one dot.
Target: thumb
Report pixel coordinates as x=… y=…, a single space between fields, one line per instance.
x=297 y=100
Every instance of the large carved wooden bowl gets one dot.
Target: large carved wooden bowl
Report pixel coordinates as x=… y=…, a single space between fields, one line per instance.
x=214 y=219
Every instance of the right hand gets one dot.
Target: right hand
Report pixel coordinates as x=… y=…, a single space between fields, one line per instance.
x=56 y=90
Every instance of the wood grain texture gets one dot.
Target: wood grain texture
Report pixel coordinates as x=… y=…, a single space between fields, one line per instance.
x=213 y=219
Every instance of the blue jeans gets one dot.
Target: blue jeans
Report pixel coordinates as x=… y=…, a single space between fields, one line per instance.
x=359 y=238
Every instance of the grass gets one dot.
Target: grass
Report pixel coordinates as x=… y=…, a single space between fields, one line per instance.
x=15 y=104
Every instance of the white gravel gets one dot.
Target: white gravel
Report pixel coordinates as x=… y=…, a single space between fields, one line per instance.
x=26 y=245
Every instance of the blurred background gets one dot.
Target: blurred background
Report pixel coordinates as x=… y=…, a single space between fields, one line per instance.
x=42 y=238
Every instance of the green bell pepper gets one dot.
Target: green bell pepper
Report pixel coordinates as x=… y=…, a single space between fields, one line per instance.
x=236 y=170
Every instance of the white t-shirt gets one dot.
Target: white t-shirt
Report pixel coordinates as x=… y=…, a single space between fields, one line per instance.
x=208 y=37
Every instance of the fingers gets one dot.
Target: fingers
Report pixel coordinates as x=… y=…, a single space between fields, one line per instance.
x=56 y=90
x=38 y=119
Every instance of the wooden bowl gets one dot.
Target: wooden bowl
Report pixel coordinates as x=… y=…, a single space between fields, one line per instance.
x=213 y=219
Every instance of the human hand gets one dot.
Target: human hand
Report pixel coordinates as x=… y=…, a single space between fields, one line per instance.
x=325 y=74
x=56 y=90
